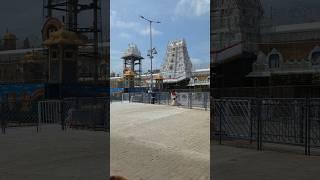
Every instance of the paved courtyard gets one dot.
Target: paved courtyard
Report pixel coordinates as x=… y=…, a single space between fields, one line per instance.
x=53 y=154
x=275 y=163
x=159 y=142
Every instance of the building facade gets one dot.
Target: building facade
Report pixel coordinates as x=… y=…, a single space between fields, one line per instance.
x=177 y=63
x=235 y=32
x=235 y=21
x=288 y=55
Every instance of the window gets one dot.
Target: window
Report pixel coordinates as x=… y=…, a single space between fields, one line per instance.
x=274 y=61
x=315 y=58
x=170 y=67
x=195 y=80
x=51 y=30
x=54 y=54
x=68 y=54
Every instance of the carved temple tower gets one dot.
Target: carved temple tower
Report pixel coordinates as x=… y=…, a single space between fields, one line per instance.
x=177 y=64
x=235 y=34
x=132 y=68
x=235 y=21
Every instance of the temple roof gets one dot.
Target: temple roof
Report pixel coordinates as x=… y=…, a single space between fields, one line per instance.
x=9 y=36
x=32 y=57
x=302 y=27
x=132 y=52
x=129 y=73
x=297 y=50
x=158 y=77
x=63 y=37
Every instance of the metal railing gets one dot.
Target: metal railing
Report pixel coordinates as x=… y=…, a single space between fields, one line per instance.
x=189 y=99
x=287 y=121
x=285 y=91
x=85 y=113
x=17 y=114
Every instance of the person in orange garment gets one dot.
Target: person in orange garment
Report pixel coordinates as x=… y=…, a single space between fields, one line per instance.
x=173 y=97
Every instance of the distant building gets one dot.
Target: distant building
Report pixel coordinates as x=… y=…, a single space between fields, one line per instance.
x=235 y=32
x=25 y=65
x=288 y=55
x=177 y=66
x=9 y=41
x=26 y=43
x=233 y=22
x=16 y=64
x=175 y=72
x=200 y=78
x=253 y=57
x=20 y=66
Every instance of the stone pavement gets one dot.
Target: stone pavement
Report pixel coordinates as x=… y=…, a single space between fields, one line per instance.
x=159 y=142
x=279 y=163
x=53 y=154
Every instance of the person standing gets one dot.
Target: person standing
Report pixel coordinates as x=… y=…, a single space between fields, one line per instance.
x=173 y=97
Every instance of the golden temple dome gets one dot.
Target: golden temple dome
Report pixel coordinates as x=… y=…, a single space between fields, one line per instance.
x=120 y=80
x=32 y=57
x=158 y=77
x=129 y=73
x=63 y=37
x=9 y=36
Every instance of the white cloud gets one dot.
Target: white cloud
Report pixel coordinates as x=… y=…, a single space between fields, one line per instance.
x=192 y=7
x=125 y=35
x=115 y=59
x=196 y=61
x=116 y=22
x=146 y=31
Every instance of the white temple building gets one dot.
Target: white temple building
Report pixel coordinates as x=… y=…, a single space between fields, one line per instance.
x=177 y=65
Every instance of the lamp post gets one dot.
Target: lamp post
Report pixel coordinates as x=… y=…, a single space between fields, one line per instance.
x=152 y=51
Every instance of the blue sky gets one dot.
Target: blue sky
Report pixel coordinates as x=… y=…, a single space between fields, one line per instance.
x=188 y=19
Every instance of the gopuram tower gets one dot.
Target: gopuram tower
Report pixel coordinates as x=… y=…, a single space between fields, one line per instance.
x=177 y=64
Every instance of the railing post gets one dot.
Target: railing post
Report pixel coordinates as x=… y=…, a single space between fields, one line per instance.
x=302 y=119
x=259 y=129
x=122 y=97
x=190 y=100
x=106 y=116
x=307 y=128
x=39 y=115
x=3 y=123
x=96 y=112
x=220 y=121
x=250 y=109
x=62 y=115
x=205 y=100
x=3 y=126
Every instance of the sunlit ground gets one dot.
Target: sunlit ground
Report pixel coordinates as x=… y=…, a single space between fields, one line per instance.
x=53 y=154
x=159 y=142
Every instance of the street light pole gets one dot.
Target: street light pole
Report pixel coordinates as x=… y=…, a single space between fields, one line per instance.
x=152 y=50
x=151 y=57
